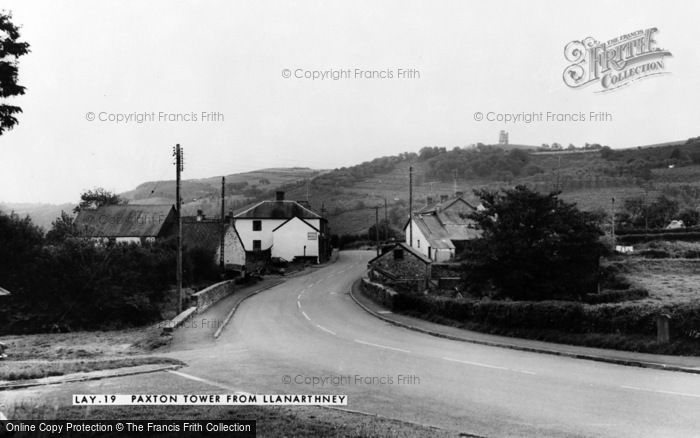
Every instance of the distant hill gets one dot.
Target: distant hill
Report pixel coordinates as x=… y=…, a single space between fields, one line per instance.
x=349 y=195
x=205 y=194
x=41 y=214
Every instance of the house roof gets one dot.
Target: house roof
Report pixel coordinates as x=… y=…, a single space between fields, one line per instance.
x=278 y=210
x=438 y=236
x=407 y=248
x=441 y=206
x=204 y=234
x=290 y=219
x=444 y=222
x=124 y=220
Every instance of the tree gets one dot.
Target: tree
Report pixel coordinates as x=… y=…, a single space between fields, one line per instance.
x=98 y=197
x=61 y=228
x=10 y=51
x=662 y=211
x=533 y=246
x=690 y=217
x=21 y=240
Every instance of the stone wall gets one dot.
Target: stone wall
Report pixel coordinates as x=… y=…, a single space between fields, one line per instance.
x=379 y=293
x=203 y=299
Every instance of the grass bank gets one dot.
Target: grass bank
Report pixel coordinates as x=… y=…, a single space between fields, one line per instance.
x=26 y=370
x=298 y=421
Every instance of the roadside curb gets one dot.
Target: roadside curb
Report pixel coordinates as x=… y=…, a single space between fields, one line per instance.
x=612 y=360
x=235 y=307
x=73 y=378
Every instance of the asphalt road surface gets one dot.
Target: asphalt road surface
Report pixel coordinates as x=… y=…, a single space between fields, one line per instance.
x=308 y=336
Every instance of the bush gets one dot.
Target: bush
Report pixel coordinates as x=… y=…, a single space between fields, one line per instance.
x=563 y=316
x=615 y=296
x=655 y=253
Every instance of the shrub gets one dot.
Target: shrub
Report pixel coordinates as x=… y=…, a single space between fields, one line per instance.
x=615 y=296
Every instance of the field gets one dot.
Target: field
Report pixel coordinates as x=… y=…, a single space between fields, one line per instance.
x=669 y=281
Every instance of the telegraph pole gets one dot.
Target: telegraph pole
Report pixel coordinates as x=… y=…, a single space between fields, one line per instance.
x=179 y=167
x=376 y=226
x=223 y=225
x=613 y=223
x=386 y=223
x=410 y=205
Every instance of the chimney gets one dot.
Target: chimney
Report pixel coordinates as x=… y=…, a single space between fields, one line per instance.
x=429 y=200
x=279 y=196
x=200 y=216
x=444 y=198
x=459 y=194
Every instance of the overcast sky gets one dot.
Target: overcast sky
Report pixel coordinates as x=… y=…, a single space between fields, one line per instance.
x=183 y=57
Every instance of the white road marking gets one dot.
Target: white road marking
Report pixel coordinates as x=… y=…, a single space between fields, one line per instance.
x=305 y=315
x=333 y=293
x=326 y=330
x=384 y=312
x=298 y=304
x=483 y=365
x=381 y=346
x=207 y=381
x=660 y=391
x=298 y=297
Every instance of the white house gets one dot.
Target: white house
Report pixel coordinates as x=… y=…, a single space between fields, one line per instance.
x=289 y=229
x=294 y=237
x=440 y=229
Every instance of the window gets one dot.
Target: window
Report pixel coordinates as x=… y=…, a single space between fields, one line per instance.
x=257 y=245
x=398 y=254
x=257 y=225
x=418 y=243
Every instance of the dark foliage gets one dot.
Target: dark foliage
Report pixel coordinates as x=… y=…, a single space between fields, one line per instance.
x=10 y=51
x=478 y=163
x=98 y=197
x=74 y=284
x=533 y=246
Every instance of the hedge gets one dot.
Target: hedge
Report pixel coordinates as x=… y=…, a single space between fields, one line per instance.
x=565 y=316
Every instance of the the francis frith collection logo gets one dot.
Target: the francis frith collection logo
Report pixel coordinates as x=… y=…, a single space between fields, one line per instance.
x=614 y=63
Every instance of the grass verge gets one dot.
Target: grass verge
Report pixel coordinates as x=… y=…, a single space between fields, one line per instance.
x=617 y=341
x=299 y=421
x=25 y=370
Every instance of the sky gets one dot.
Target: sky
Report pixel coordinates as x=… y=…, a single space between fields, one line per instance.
x=179 y=59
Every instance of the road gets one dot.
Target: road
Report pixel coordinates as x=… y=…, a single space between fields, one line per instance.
x=309 y=327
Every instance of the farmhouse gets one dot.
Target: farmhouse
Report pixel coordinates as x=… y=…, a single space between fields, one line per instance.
x=200 y=232
x=126 y=223
x=441 y=229
x=287 y=229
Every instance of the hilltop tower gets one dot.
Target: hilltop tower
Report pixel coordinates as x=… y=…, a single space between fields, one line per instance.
x=503 y=137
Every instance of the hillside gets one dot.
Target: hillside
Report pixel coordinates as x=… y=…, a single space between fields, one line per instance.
x=41 y=214
x=205 y=194
x=591 y=178
x=349 y=195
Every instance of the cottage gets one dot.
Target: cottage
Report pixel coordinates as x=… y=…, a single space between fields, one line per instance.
x=203 y=233
x=401 y=266
x=126 y=223
x=287 y=229
x=441 y=229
